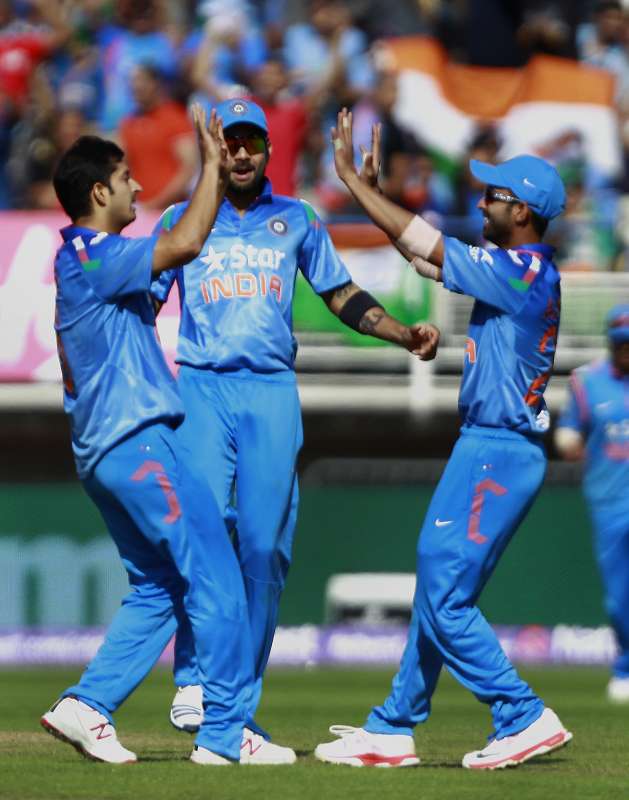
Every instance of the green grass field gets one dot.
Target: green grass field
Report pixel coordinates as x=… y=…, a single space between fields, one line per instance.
x=298 y=706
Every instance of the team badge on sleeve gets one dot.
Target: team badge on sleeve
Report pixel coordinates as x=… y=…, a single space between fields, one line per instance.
x=522 y=284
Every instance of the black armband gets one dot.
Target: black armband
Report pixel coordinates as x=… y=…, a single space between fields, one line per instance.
x=355 y=308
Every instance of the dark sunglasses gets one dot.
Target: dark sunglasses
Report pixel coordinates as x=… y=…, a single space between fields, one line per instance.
x=253 y=143
x=491 y=193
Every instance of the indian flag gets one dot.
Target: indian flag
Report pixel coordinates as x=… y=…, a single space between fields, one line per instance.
x=442 y=102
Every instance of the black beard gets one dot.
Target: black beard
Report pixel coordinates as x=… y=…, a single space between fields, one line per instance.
x=253 y=188
x=496 y=233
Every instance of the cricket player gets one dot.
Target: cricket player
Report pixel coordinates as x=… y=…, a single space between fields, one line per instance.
x=124 y=410
x=595 y=426
x=236 y=349
x=495 y=470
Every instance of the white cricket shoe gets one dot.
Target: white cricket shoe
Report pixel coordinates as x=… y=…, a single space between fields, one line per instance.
x=186 y=710
x=86 y=729
x=618 y=690
x=545 y=734
x=357 y=747
x=207 y=758
x=255 y=749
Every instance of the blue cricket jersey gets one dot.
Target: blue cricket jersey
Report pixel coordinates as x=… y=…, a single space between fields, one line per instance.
x=115 y=376
x=598 y=408
x=512 y=335
x=236 y=297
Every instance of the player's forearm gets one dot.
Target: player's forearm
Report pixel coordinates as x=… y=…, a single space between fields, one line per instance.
x=377 y=323
x=184 y=242
x=414 y=235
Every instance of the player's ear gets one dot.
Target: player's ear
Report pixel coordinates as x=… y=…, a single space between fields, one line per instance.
x=99 y=193
x=521 y=213
x=269 y=150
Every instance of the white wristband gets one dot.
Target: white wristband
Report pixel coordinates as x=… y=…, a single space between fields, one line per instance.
x=425 y=268
x=419 y=237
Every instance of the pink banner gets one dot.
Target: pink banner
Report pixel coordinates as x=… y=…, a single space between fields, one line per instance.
x=27 y=294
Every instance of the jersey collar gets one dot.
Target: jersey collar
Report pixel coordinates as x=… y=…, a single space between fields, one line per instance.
x=544 y=250
x=71 y=231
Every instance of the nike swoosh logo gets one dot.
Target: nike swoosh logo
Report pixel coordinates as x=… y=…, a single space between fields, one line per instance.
x=527 y=182
x=440 y=523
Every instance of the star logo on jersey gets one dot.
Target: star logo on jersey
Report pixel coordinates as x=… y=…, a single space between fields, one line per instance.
x=278 y=226
x=214 y=260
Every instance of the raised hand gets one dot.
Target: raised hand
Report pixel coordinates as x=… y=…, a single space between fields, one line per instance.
x=212 y=147
x=424 y=340
x=371 y=158
x=343 y=145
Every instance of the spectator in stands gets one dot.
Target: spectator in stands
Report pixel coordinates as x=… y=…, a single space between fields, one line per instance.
x=63 y=128
x=158 y=141
x=602 y=43
x=287 y=118
x=329 y=64
x=467 y=218
x=408 y=175
x=23 y=45
x=327 y=56
x=139 y=39
x=221 y=59
x=583 y=239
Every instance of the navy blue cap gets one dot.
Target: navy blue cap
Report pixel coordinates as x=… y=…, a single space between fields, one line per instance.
x=531 y=179
x=238 y=111
x=618 y=323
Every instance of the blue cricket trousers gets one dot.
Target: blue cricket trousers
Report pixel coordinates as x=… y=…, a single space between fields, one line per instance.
x=611 y=544
x=243 y=433
x=487 y=487
x=151 y=505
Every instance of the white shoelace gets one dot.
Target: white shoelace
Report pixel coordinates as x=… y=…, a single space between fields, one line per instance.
x=343 y=731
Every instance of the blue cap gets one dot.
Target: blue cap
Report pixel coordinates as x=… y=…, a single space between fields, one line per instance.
x=531 y=179
x=618 y=323
x=241 y=112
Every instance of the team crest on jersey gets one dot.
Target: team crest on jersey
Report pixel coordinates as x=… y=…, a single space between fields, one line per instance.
x=238 y=107
x=278 y=226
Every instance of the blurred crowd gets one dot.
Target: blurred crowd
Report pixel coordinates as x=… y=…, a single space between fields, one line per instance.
x=128 y=69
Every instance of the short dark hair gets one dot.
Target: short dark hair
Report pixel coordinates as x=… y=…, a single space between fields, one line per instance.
x=90 y=160
x=538 y=222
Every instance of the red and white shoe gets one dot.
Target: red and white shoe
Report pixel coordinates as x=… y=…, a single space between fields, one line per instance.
x=542 y=736
x=87 y=730
x=357 y=747
x=256 y=750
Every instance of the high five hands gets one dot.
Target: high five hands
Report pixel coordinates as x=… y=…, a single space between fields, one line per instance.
x=212 y=148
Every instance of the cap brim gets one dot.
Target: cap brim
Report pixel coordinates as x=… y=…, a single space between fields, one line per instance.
x=486 y=173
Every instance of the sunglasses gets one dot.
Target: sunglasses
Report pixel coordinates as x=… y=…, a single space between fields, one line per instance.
x=491 y=193
x=253 y=143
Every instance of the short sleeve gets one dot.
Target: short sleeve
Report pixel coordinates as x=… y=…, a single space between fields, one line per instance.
x=318 y=259
x=161 y=286
x=501 y=278
x=116 y=266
